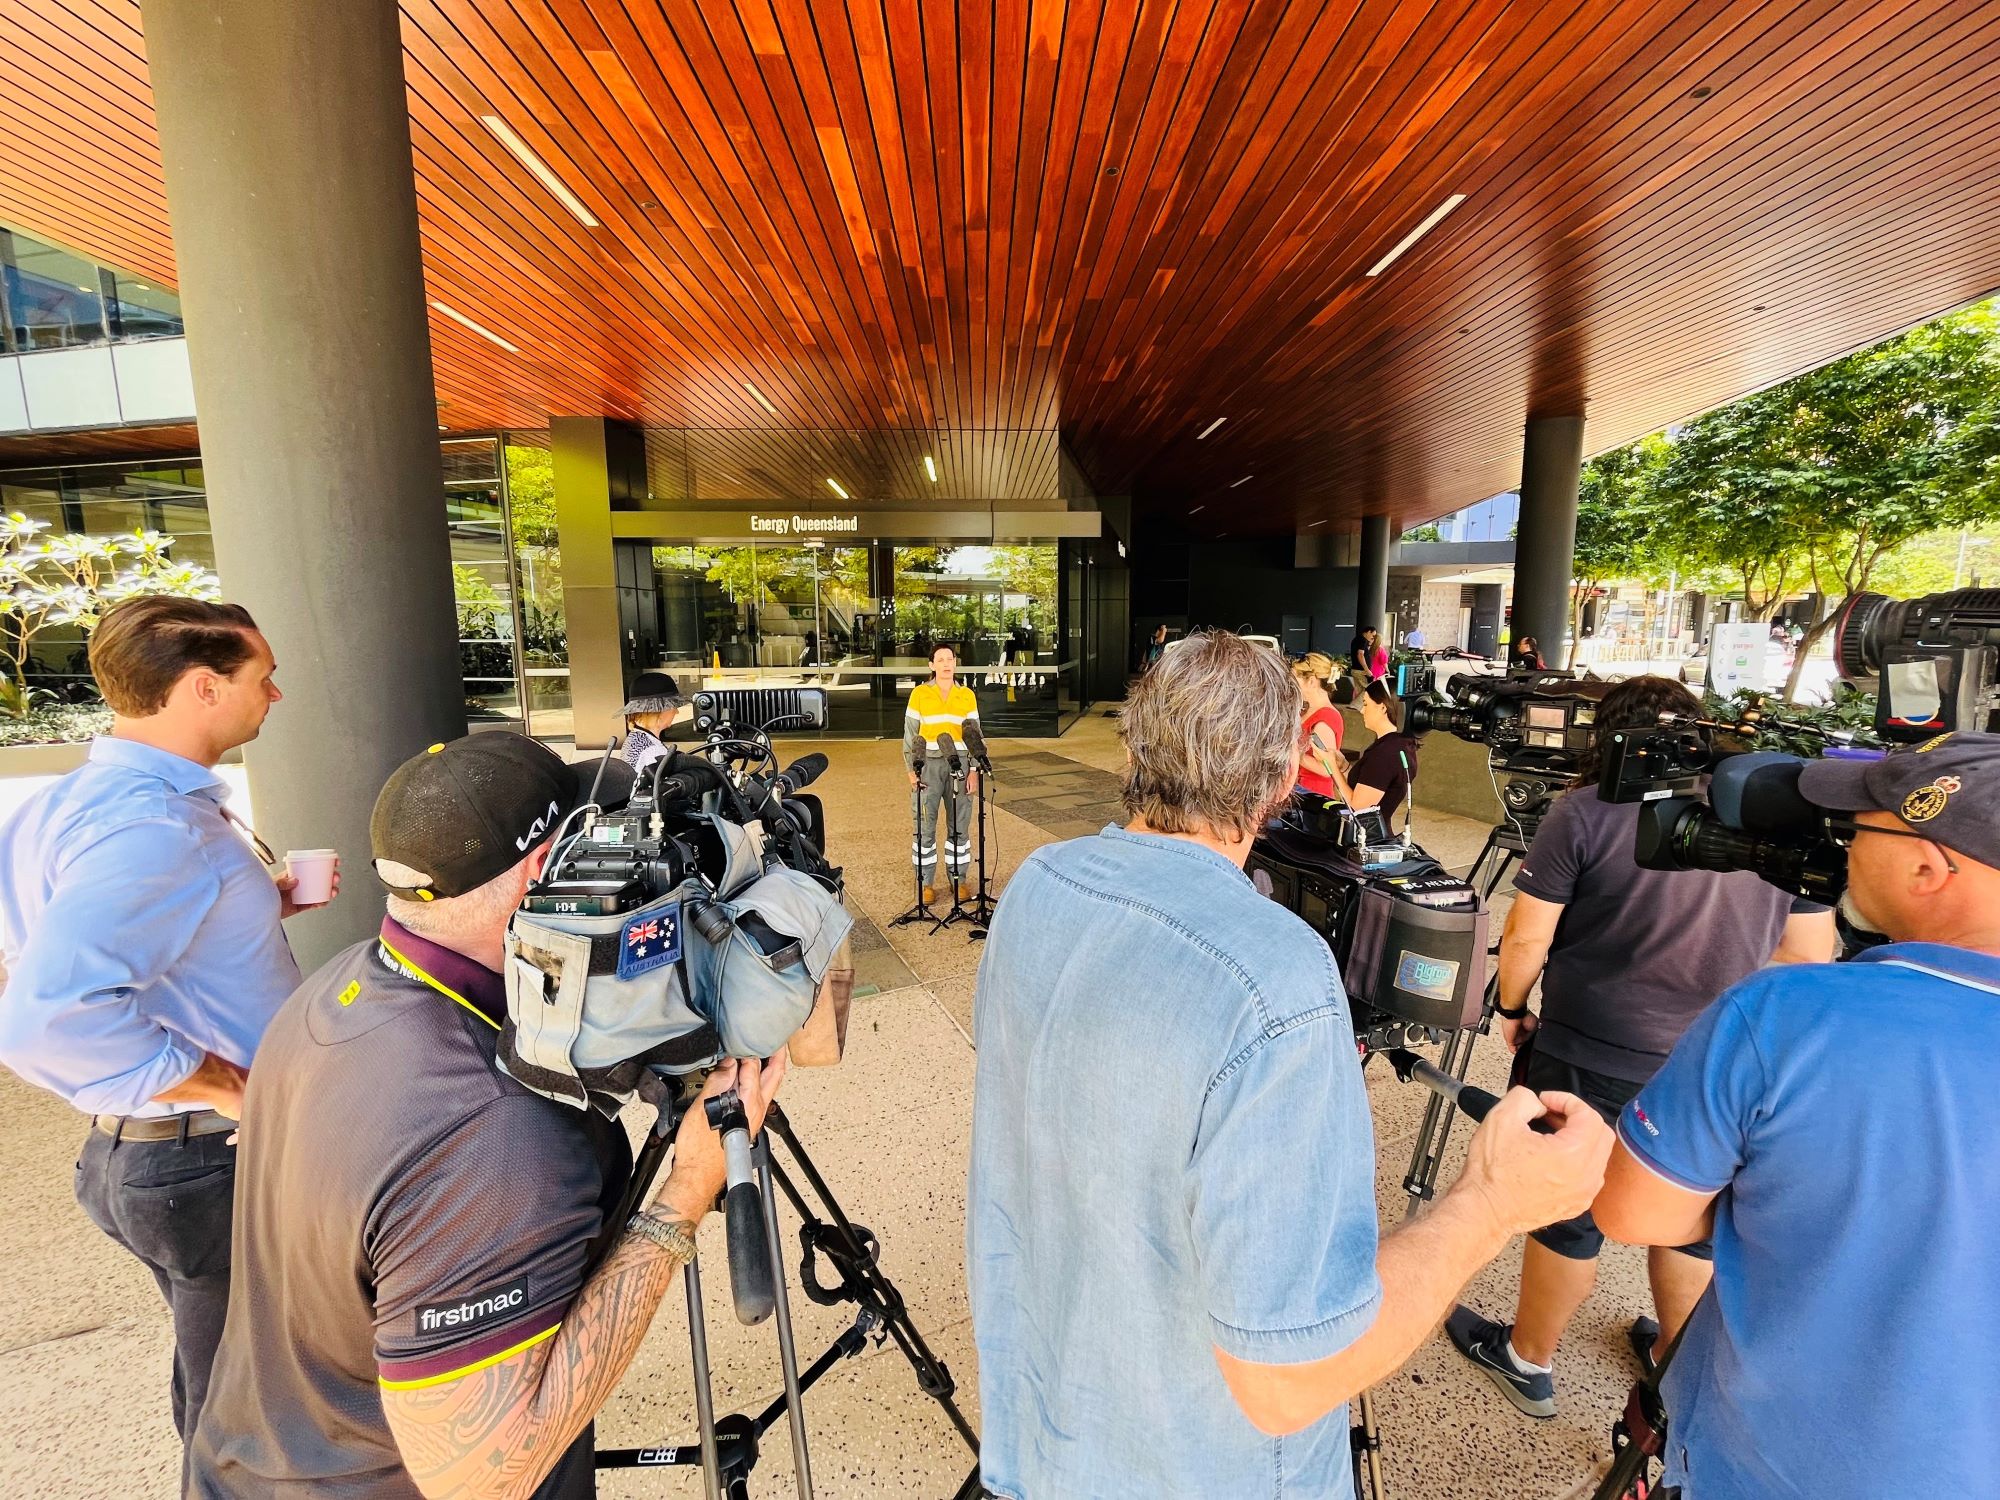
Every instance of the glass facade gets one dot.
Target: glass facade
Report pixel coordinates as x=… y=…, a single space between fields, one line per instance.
x=169 y=496
x=56 y=299
x=858 y=620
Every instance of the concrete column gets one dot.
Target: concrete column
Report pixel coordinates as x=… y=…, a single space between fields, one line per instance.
x=285 y=134
x=1545 y=540
x=600 y=466
x=1372 y=601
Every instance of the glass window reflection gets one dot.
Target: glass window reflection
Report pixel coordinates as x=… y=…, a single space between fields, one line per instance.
x=141 y=310
x=54 y=298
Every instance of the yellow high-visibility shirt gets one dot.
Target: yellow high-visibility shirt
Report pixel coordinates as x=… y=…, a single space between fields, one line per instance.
x=932 y=713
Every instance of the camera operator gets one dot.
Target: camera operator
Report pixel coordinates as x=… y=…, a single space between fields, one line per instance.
x=144 y=954
x=1387 y=769
x=1171 y=1238
x=943 y=706
x=1833 y=1127
x=410 y=1315
x=1627 y=959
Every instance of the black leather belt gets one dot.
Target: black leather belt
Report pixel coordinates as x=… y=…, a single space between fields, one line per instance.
x=166 y=1128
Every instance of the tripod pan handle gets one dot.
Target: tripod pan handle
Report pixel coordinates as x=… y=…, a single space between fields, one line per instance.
x=750 y=1285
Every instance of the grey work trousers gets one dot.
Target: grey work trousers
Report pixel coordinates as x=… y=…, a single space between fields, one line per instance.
x=927 y=800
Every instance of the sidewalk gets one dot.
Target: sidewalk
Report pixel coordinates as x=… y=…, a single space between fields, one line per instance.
x=83 y=1364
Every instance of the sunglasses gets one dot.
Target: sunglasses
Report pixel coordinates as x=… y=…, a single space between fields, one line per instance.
x=1843 y=831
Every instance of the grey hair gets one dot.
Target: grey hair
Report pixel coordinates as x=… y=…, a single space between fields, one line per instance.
x=1211 y=734
x=476 y=913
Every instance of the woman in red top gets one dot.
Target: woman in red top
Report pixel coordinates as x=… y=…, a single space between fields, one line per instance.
x=1322 y=768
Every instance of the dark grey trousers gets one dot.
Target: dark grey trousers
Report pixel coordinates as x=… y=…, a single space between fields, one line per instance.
x=171 y=1204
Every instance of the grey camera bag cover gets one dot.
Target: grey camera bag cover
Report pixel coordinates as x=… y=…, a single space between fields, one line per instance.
x=593 y=1001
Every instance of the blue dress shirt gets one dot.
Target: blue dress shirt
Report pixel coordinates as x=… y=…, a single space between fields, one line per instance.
x=139 y=930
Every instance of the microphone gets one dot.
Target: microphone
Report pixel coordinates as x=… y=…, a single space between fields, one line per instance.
x=799 y=775
x=948 y=747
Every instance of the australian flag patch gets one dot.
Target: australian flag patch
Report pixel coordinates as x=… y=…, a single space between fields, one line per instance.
x=650 y=940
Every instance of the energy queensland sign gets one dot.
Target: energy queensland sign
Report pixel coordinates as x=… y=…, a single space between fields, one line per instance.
x=796 y=525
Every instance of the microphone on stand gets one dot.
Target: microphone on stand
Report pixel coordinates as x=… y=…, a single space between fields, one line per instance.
x=948 y=747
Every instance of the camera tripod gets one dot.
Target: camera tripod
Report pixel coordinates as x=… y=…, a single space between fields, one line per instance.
x=727 y=1448
x=1504 y=849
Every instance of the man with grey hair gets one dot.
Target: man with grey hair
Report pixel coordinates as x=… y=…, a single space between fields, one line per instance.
x=411 y=1314
x=1171 y=1238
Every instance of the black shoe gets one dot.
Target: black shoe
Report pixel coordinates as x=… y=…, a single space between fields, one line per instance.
x=1644 y=1335
x=1485 y=1343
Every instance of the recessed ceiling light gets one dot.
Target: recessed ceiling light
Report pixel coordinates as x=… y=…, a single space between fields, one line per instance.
x=1429 y=223
x=930 y=468
x=504 y=133
x=1210 y=428
x=1243 y=481
x=486 y=333
x=834 y=485
x=762 y=400
x=1700 y=92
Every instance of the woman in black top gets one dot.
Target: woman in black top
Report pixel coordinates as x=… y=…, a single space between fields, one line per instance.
x=1383 y=775
x=1528 y=655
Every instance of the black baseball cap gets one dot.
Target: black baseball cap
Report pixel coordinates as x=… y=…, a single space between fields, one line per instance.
x=463 y=813
x=1947 y=788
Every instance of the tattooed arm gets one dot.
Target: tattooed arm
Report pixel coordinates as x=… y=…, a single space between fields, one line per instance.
x=494 y=1433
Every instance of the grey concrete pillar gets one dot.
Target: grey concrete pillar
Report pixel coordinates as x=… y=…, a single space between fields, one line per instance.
x=600 y=466
x=1372 y=600
x=1545 y=541
x=285 y=134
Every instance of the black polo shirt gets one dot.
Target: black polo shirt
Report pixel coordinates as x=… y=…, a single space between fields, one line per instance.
x=405 y=1214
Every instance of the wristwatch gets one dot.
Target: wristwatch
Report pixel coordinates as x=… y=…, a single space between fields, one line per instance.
x=673 y=1238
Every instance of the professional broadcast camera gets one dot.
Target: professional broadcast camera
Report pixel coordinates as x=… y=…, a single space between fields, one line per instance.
x=1934 y=661
x=1408 y=936
x=697 y=920
x=1753 y=818
x=1534 y=726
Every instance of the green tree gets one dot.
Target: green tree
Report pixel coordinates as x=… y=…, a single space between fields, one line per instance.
x=1811 y=484
x=1616 y=516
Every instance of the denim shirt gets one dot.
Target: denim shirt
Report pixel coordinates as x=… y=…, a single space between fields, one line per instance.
x=1171 y=1153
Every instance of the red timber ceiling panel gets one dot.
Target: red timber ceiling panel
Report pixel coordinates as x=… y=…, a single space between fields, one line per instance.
x=909 y=223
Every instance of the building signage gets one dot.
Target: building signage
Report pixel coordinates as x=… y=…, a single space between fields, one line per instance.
x=804 y=525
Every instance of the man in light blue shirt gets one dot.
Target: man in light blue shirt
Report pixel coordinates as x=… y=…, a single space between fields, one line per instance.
x=1833 y=1126
x=1171 y=1236
x=144 y=957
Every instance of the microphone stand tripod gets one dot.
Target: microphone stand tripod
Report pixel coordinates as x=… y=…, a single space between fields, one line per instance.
x=982 y=906
x=955 y=875
x=921 y=911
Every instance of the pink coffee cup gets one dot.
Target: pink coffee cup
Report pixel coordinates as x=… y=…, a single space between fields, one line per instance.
x=313 y=869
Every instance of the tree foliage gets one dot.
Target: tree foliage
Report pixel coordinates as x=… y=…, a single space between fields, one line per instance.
x=1615 y=522
x=1810 y=485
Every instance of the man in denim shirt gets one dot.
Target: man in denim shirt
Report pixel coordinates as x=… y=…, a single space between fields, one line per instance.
x=1171 y=1243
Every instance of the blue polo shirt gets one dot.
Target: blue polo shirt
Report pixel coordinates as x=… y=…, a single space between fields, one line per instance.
x=1847 y=1115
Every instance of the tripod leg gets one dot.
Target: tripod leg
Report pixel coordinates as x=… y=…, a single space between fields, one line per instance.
x=788 y=1355
x=1367 y=1440
x=704 y=1397
x=867 y=1286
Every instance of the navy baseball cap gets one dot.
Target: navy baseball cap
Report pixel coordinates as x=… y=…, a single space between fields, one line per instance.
x=464 y=813
x=1947 y=788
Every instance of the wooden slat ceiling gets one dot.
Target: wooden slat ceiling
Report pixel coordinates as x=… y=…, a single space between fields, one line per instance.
x=928 y=228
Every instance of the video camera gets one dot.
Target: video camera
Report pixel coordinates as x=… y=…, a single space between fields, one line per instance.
x=1754 y=817
x=697 y=920
x=1934 y=662
x=1534 y=725
x=1409 y=937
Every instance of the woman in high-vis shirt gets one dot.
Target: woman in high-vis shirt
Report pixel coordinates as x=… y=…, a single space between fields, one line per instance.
x=943 y=706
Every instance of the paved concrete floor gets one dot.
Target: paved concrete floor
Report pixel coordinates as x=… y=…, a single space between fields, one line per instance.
x=84 y=1356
